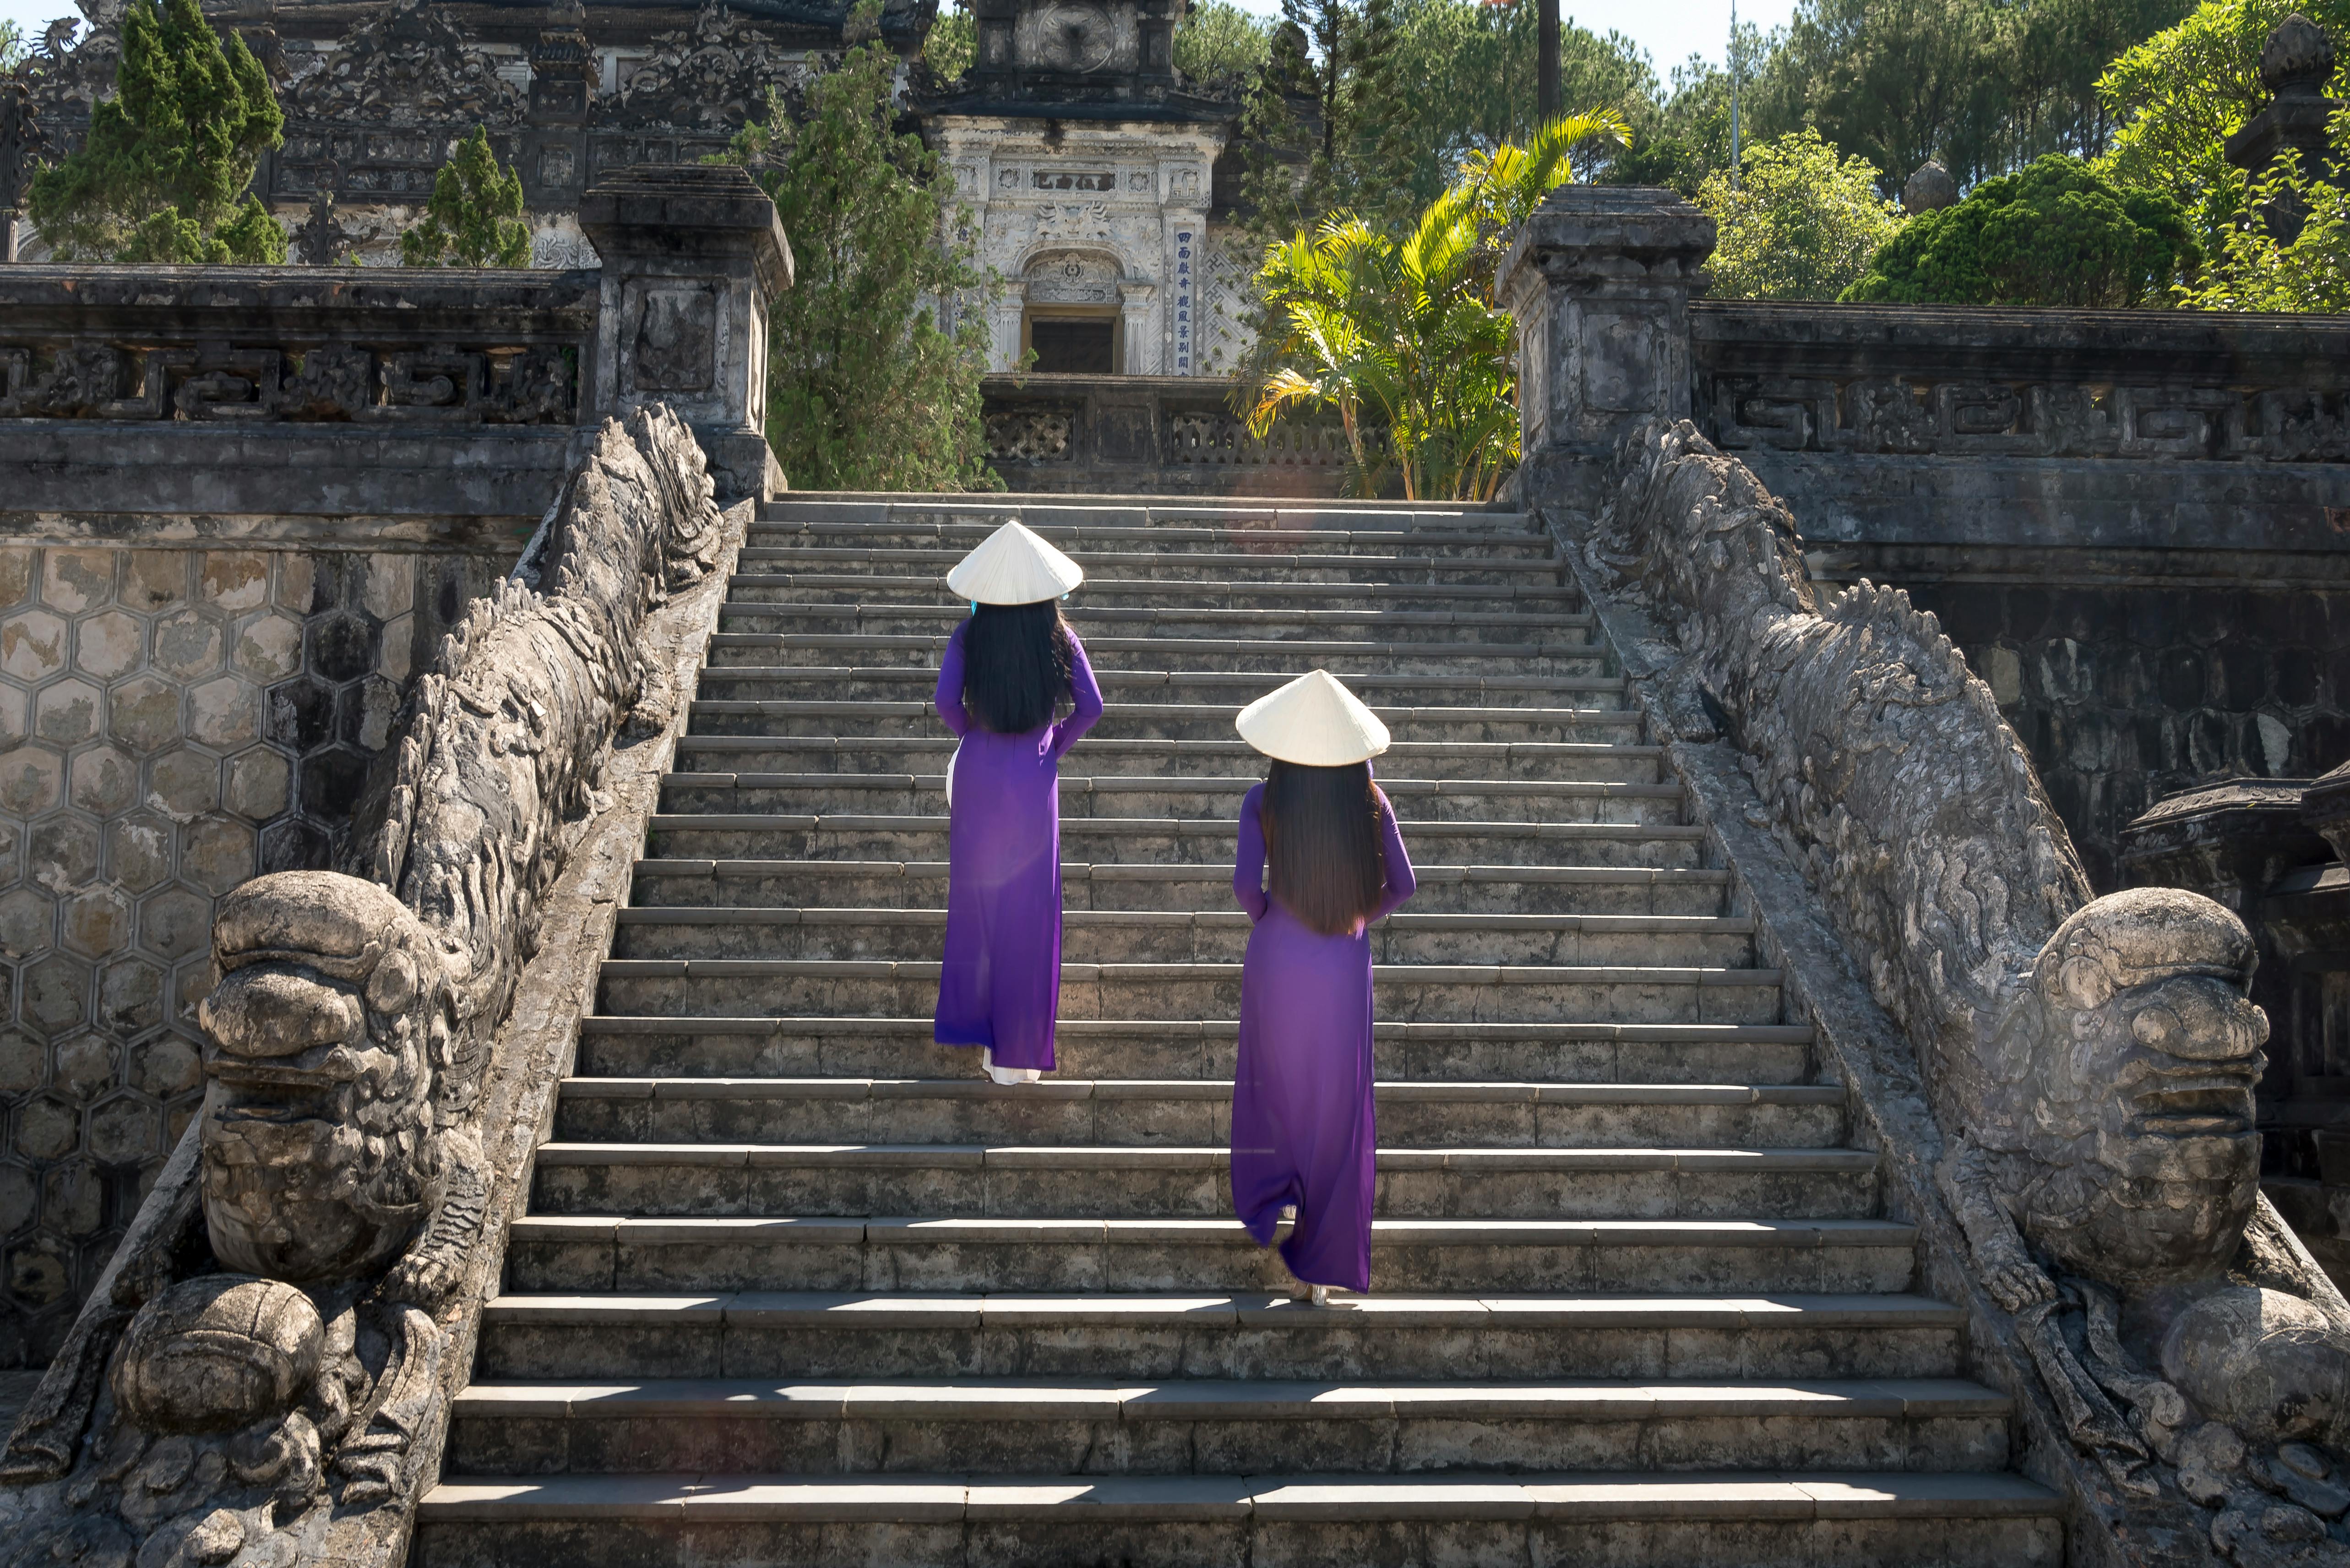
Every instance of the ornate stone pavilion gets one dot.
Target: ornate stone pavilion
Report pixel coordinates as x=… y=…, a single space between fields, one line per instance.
x=1091 y=172
x=1088 y=166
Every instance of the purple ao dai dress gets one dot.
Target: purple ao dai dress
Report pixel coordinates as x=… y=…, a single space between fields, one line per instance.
x=1303 y=1126
x=999 y=986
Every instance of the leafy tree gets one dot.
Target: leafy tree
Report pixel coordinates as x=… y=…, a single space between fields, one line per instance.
x=1402 y=338
x=474 y=218
x=2179 y=95
x=1221 y=48
x=952 y=43
x=865 y=390
x=12 y=49
x=2252 y=269
x=1473 y=70
x=1799 y=225
x=163 y=175
x=2056 y=234
x=1985 y=85
x=1328 y=100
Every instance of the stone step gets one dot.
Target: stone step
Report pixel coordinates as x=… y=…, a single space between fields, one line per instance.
x=1053 y=1427
x=1155 y=541
x=1182 y=936
x=1287 y=563
x=1062 y=1109
x=1163 y=840
x=569 y=1253
x=1447 y=723
x=1158 y=687
x=1570 y=655
x=1606 y=1052
x=1043 y=510
x=1643 y=1519
x=767 y=1333
x=1468 y=994
x=1276 y=595
x=1056 y=1182
x=1128 y=795
x=1389 y=623
x=1626 y=890
x=1624 y=761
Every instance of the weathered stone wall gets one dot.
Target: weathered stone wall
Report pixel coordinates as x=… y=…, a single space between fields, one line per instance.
x=2135 y=524
x=1150 y=435
x=240 y=507
x=172 y=722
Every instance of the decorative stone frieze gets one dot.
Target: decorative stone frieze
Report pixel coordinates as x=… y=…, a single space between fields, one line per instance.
x=408 y=64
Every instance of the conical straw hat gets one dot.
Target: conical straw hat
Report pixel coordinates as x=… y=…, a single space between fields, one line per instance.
x=1315 y=722
x=1014 y=566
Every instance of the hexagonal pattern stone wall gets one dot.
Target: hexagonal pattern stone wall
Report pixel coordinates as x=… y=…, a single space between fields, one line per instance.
x=171 y=722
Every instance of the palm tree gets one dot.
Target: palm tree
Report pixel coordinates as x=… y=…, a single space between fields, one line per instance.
x=1402 y=339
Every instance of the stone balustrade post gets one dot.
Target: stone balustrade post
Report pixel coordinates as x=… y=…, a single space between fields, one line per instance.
x=691 y=255
x=1600 y=280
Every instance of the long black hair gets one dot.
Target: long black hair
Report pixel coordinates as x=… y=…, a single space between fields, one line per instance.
x=1016 y=672
x=1322 y=843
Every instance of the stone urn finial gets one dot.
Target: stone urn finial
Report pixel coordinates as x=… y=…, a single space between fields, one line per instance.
x=2298 y=59
x=1930 y=190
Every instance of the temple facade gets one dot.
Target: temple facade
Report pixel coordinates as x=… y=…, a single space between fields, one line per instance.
x=1088 y=166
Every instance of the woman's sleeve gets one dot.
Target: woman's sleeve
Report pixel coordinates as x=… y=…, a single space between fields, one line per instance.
x=1400 y=883
x=1087 y=692
x=1248 y=865
x=948 y=698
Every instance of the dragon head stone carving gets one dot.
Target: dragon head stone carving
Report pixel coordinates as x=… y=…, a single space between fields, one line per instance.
x=2127 y=1090
x=330 y=1069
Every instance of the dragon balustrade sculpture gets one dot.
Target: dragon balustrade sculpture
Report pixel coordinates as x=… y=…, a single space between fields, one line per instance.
x=267 y=1350
x=2090 y=1062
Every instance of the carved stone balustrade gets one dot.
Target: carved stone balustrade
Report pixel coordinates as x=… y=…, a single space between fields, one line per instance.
x=1150 y=435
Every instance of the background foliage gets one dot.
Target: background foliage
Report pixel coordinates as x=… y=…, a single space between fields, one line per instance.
x=865 y=390
x=2057 y=233
x=1799 y=224
x=163 y=175
x=474 y=218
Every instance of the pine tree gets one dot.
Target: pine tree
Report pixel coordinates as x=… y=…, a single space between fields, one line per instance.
x=865 y=390
x=474 y=218
x=163 y=176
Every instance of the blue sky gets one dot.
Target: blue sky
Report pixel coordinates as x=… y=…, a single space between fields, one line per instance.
x=1667 y=29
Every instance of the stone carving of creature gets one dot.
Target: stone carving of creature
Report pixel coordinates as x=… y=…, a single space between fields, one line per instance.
x=329 y=1140
x=2123 y=1106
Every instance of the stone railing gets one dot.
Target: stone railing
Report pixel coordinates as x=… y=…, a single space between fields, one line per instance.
x=374 y=346
x=134 y=394
x=1150 y=435
x=2059 y=1088
x=1911 y=381
x=264 y=1374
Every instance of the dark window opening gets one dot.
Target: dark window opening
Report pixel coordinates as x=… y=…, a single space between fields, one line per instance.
x=1072 y=348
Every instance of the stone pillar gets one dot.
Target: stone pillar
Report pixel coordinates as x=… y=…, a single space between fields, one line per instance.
x=692 y=255
x=1142 y=353
x=1600 y=279
x=2295 y=65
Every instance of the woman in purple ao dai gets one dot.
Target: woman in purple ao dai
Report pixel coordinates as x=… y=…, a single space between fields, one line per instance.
x=1009 y=672
x=1304 y=1137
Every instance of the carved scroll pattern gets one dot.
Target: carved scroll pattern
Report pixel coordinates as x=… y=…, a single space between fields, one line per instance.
x=1902 y=416
x=332 y=381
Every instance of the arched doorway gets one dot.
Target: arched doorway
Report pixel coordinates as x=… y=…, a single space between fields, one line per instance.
x=1070 y=316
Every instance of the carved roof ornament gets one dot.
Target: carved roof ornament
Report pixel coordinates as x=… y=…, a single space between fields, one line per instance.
x=409 y=65
x=713 y=75
x=1930 y=189
x=2297 y=59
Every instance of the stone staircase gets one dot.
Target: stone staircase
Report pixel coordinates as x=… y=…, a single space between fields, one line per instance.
x=797 y=1286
